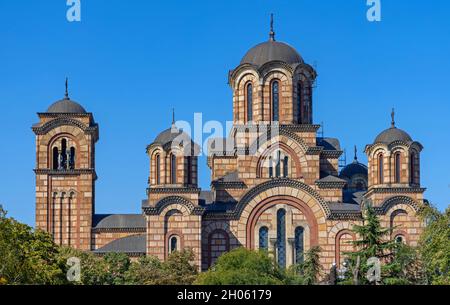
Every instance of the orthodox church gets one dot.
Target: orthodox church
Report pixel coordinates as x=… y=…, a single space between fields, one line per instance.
x=276 y=183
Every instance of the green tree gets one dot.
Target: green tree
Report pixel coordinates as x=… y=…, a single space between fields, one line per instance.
x=28 y=256
x=243 y=267
x=176 y=270
x=94 y=269
x=405 y=267
x=117 y=265
x=147 y=270
x=434 y=245
x=308 y=272
x=374 y=242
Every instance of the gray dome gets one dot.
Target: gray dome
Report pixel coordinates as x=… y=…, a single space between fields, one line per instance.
x=66 y=106
x=391 y=135
x=354 y=168
x=269 y=51
x=169 y=135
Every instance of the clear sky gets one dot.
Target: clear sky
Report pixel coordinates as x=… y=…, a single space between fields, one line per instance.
x=130 y=62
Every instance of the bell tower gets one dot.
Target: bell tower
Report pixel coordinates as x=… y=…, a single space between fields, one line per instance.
x=65 y=172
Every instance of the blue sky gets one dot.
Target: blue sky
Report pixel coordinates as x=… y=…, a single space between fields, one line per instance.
x=130 y=62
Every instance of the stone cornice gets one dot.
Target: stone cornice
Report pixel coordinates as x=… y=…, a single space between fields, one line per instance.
x=345 y=216
x=107 y=230
x=331 y=184
x=228 y=184
x=173 y=190
x=64 y=115
x=73 y=172
x=395 y=190
x=331 y=154
x=301 y=127
x=314 y=150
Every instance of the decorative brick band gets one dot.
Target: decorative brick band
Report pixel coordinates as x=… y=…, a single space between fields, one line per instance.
x=331 y=185
x=396 y=190
x=65 y=121
x=331 y=154
x=121 y=230
x=277 y=183
x=345 y=216
x=72 y=172
x=165 y=202
x=171 y=190
x=390 y=202
x=228 y=185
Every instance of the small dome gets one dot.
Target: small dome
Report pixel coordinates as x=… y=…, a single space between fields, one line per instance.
x=171 y=134
x=66 y=106
x=354 y=168
x=391 y=135
x=271 y=51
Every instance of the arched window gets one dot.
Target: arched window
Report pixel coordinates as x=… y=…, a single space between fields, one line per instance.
x=299 y=102
x=189 y=170
x=55 y=158
x=264 y=238
x=64 y=153
x=173 y=244
x=278 y=165
x=399 y=239
x=249 y=99
x=412 y=168
x=173 y=169
x=72 y=158
x=307 y=104
x=158 y=169
x=281 y=238
x=285 y=166
x=397 y=168
x=380 y=169
x=270 y=167
x=299 y=244
x=275 y=101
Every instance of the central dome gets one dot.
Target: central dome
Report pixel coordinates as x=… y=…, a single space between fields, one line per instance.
x=271 y=51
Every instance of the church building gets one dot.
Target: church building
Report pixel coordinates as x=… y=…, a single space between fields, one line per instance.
x=276 y=183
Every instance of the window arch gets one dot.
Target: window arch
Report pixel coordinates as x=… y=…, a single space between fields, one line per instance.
x=275 y=100
x=299 y=244
x=64 y=153
x=285 y=166
x=412 y=168
x=397 y=167
x=278 y=165
x=281 y=237
x=158 y=169
x=72 y=158
x=380 y=169
x=400 y=239
x=173 y=244
x=270 y=167
x=55 y=158
x=173 y=169
x=299 y=102
x=249 y=101
x=189 y=170
x=264 y=238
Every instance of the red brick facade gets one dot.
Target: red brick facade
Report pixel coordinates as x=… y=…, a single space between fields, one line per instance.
x=292 y=170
